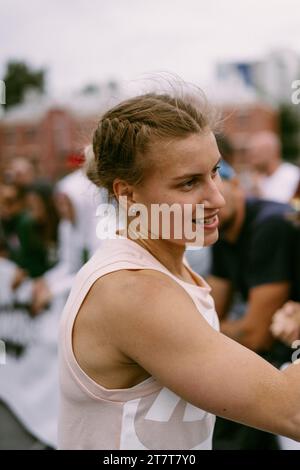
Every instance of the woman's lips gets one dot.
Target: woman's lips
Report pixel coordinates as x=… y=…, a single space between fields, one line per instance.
x=208 y=223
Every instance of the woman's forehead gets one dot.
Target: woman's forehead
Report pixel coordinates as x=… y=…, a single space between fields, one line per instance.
x=197 y=152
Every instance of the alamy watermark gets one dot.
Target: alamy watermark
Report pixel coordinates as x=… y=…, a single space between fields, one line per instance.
x=296 y=354
x=295 y=98
x=159 y=221
x=2 y=92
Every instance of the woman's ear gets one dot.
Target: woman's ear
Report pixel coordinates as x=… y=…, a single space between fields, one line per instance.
x=122 y=189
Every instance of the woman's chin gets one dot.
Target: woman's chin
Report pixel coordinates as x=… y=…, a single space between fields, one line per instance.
x=211 y=238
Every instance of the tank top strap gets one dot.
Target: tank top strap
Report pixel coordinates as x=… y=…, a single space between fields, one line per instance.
x=131 y=252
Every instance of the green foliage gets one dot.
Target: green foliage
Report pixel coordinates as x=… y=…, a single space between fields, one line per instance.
x=18 y=78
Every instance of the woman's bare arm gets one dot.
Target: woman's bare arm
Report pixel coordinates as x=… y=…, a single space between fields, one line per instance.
x=153 y=321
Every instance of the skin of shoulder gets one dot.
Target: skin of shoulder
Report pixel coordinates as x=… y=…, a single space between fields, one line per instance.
x=140 y=309
x=130 y=295
x=154 y=322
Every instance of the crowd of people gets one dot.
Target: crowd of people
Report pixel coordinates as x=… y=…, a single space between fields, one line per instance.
x=48 y=232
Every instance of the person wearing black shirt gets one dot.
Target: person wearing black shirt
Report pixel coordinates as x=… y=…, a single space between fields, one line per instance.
x=286 y=321
x=253 y=258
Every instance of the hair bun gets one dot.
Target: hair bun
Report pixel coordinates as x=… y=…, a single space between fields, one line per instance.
x=90 y=165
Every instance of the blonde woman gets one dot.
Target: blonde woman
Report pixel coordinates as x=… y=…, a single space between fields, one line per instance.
x=142 y=363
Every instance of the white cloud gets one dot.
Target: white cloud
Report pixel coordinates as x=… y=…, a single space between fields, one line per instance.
x=88 y=40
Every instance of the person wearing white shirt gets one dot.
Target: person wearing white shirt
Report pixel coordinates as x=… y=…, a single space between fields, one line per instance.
x=275 y=179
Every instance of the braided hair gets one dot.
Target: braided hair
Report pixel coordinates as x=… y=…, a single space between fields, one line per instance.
x=125 y=133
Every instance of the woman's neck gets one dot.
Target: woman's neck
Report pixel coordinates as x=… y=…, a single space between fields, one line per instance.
x=167 y=253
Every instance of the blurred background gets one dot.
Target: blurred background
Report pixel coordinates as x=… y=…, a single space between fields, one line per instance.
x=64 y=62
x=61 y=62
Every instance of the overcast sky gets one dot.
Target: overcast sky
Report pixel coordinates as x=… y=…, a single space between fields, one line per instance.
x=83 y=41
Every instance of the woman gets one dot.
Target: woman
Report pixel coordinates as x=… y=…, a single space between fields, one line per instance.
x=142 y=364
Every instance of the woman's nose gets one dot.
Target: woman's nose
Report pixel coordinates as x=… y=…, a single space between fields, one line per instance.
x=214 y=198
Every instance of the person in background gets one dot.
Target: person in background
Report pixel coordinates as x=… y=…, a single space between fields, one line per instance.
x=252 y=275
x=13 y=219
x=76 y=201
x=19 y=275
x=41 y=240
x=23 y=173
x=286 y=327
x=255 y=257
x=286 y=321
x=27 y=386
x=275 y=179
x=226 y=148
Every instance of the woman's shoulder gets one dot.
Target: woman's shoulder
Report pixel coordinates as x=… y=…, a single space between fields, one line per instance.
x=128 y=292
x=134 y=283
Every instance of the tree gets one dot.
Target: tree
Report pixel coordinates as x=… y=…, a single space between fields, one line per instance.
x=18 y=78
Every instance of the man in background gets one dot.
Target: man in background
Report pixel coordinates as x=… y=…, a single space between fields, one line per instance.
x=273 y=178
x=253 y=275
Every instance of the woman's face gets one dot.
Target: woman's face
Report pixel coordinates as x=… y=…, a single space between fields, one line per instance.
x=185 y=171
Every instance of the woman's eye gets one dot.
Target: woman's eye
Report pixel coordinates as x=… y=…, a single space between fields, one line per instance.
x=188 y=184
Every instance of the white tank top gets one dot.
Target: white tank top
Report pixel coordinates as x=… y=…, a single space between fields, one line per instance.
x=146 y=416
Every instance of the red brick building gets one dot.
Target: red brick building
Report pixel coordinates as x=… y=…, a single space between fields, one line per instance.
x=47 y=133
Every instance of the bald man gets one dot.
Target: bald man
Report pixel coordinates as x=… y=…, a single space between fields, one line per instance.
x=277 y=180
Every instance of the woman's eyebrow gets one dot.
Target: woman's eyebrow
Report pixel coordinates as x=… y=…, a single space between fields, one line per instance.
x=190 y=175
